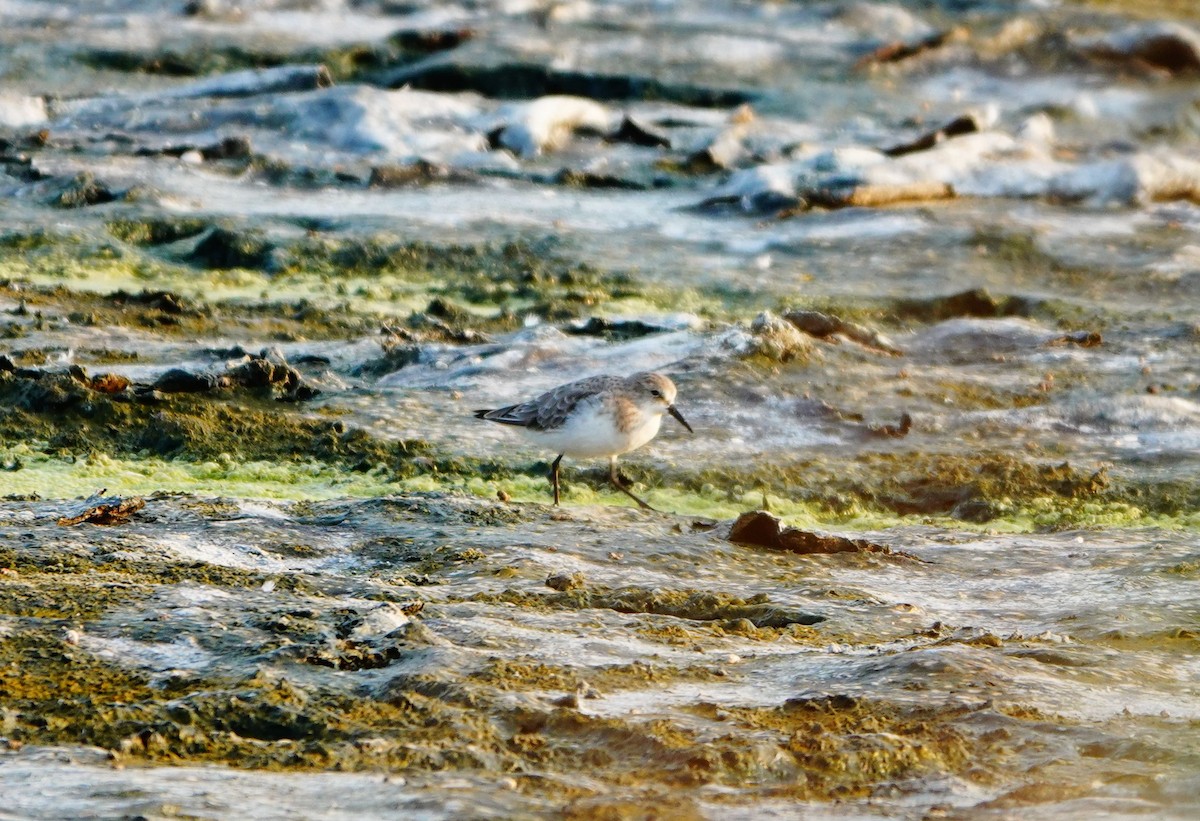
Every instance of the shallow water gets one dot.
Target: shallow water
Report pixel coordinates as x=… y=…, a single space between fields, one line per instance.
x=1076 y=649
x=324 y=610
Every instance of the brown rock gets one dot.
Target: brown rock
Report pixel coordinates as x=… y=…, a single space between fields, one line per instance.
x=757 y=527
x=562 y=582
x=99 y=510
x=109 y=383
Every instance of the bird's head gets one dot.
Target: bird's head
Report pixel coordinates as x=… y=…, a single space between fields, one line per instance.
x=656 y=394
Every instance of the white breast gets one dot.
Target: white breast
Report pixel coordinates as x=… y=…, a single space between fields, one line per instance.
x=589 y=432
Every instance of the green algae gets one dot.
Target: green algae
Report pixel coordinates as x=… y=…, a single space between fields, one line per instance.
x=32 y=472
x=240 y=444
x=155 y=230
x=70 y=417
x=173 y=313
x=993 y=491
x=76 y=438
x=530 y=277
x=244 y=280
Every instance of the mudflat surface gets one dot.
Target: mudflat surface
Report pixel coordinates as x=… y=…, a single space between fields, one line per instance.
x=926 y=276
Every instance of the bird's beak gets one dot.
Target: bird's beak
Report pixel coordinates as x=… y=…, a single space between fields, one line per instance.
x=679 y=416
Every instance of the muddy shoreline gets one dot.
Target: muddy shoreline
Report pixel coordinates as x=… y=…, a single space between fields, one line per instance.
x=926 y=276
x=253 y=645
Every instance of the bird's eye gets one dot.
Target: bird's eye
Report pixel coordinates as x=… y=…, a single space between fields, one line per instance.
x=656 y=392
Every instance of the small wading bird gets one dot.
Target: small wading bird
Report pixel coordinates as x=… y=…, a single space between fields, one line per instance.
x=598 y=416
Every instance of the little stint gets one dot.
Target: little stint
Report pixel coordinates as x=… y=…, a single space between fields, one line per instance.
x=597 y=416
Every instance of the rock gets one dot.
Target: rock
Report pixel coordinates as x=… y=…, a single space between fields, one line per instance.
x=395 y=357
x=616 y=328
x=756 y=527
x=44 y=391
x=976 y=302
x=575 y=178
x=177 y=380
x=740 y=627
x=156 y=231
x=1167 y=46
x=760 y=528
x=230 y=148
x=271 y=371
x=548 y=123
x=976 y=510
x=762 y=189
x=695 y=605
x=260 y=372
x=224 y=248
x=509 y=80
x=418 y=173
x=899 y=50
x=569 y=702
x=110 y=383
x=967 y=123
x=727 y=148
x=777 y=339
x=82 y=191
x=165 y=301
x=634 y=132
x=875 y=195
x=795 y=540
x=825 y=326
x=100 y=510
x=444 y=309
x=213 y=10
x=256 y=81
x=897 y=431
x=563 y=582
x=429 y=41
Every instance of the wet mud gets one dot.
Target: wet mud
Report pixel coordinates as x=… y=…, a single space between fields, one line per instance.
x=181 y=638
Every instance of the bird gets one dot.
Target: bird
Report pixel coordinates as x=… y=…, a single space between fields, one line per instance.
x=594 y=417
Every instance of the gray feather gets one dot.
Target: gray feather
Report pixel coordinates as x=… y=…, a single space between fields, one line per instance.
x=551 y=409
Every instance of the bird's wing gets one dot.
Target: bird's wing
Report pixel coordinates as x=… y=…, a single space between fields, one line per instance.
x=551 y=409
x=521 y=415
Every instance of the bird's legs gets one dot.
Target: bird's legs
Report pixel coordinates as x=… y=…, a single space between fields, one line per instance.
x=616 y=480
x=554 y=477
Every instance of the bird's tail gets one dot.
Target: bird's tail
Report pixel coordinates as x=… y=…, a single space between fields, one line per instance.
x=482 y=414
